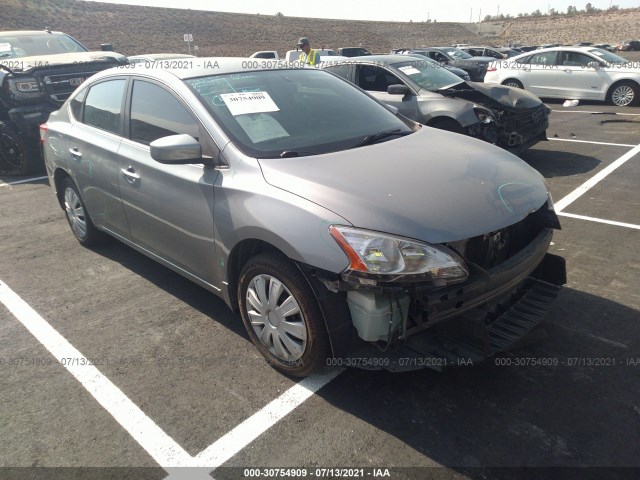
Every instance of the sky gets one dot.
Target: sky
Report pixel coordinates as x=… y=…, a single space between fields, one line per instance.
x=412 y=10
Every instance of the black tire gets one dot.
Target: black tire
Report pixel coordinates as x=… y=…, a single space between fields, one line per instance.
x=76 y=212
x=282 y=347
x=512 y=82
x=17 y=152
x=623 y=94
x=448 y=124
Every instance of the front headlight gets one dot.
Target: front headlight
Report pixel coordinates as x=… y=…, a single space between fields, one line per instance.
x=26 y=87
x=387 y=255
x=484 y=115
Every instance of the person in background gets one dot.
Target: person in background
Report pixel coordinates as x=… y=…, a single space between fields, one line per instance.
x=310 y=56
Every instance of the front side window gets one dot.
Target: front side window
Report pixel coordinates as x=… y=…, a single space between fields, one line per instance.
x=103 y=105
x=575 y=59
x=274 y=113
x=375 y=79
x=156 y=113
x=546 y=59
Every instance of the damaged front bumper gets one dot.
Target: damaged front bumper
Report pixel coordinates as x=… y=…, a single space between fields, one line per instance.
x=401 y=328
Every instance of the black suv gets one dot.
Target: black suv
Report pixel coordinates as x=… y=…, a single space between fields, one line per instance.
x=38 y=72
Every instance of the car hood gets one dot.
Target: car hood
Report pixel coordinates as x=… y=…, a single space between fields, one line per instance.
x=514 y=98
x=23 y=64
x=432 y=185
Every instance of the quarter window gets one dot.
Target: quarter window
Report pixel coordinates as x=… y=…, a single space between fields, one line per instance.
x=103 y=105
x=156 y=113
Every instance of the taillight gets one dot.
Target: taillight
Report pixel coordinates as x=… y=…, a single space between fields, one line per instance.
x=43 y=132
x=491 y=69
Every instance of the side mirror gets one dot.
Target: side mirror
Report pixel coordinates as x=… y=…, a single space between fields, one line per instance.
x=594 y=65
x=176 y=150
x=398 y=90
x=106 y=47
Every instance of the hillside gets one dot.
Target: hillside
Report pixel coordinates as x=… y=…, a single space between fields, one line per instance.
x=135 y=30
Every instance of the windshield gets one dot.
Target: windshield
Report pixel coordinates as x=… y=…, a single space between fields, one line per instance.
x=277 y=113
x=428 y=74
x=607 y=56
x=37 y=44
x=457 y=53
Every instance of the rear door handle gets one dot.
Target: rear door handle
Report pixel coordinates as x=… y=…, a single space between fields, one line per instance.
x=130 y=174
x=75 y=153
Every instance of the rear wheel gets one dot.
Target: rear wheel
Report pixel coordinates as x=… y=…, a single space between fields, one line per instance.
x=16 y=152
x=281 y=315
x=623 y=94
x=81 y=225
x=512 y=82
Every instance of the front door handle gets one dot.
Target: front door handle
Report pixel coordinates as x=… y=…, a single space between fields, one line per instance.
x=130 y=174
x=75 y=153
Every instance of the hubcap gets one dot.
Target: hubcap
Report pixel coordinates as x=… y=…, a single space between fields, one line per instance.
x=75 y=212
x=513 y=84
x=10 y=154
x=276 y=318
x=622 y=95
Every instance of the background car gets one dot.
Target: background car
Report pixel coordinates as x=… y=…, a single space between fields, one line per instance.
x=300 y=201
x=424 y=91
x=353 y=52
x=38 y=72
x=483 y=52
x=583 y=73
x=456 y=71
x=476 y=67
x=628 y=46
x=265 y=54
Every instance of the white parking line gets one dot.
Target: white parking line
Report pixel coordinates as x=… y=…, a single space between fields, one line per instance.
x=2 y=184
x=589 y=141
x=254 y=426
x=600 y=220
x=586 y=186
x=597 y=113
x=164 y=450
x=152 y=438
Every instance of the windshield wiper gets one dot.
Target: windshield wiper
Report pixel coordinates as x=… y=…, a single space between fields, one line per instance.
x=375 y=137
x=297 y=153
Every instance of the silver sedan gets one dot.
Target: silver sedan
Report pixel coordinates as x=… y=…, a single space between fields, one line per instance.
x=331 y=224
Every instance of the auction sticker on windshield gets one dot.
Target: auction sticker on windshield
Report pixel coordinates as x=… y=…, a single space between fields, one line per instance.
x=241 y=103
x=261 y=127
x=409 y=70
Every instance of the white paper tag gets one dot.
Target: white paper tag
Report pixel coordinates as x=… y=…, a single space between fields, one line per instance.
x=241 y=103
x=409 y=70
x=5 y=47
x=261 y=126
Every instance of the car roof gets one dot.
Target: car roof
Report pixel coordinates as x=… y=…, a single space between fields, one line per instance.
x=24 y=33
x=160 y=56
x=202 y=67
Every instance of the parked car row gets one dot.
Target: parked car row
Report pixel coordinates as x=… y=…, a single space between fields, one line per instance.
x=333 y=224
x=425 y=92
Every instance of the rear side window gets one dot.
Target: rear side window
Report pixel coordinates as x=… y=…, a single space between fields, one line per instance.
x=103 y=106
x=156 y=113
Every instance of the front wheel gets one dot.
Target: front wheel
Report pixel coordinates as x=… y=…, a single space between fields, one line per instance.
x=281 y=315
x=16 y=152
x=623 y=94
